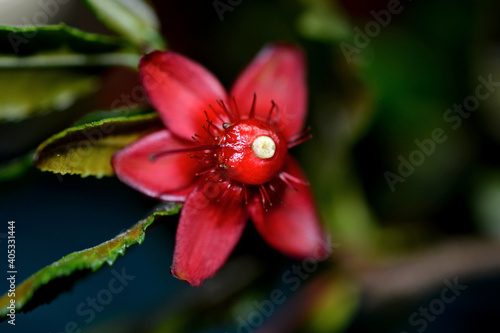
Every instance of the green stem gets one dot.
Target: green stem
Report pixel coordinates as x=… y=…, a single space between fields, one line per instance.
x=71 y=60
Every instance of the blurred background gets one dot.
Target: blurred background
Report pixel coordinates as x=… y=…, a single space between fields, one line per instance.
x=405 y=165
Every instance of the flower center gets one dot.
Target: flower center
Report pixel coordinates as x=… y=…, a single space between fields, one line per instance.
x=264 y=147
x=252 y=151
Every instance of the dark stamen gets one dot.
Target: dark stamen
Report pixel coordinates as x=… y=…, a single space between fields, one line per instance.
x=278 y=114
x=275 y=192
x=277 y=118
x=226 y=110
x=263 y=196
x=252 y=110
x=263 y=192
x=287 y=182
x=273 y=105
x=183 y=150
x=299 y=139
x=285 y=175
x=210 y=123
x=215 y=112
x=236 y=109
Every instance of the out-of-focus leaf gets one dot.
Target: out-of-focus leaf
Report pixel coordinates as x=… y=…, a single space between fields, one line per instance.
x=324 y=304
x=30 y=88
x=87 y=149
x=335 y=307
x=133 y=19
x=15 y=168
x=488 y=65
x=486 y=202
x=28 y=40
x=323 y=20
x=350 y=218
x=62 y=46
x=412 y=105
x=71 y=60
x=28 y=92
x=87 y=260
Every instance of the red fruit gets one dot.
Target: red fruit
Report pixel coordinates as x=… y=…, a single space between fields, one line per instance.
x=252 y=152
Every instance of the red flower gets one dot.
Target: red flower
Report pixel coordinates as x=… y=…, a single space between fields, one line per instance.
x=226 y=157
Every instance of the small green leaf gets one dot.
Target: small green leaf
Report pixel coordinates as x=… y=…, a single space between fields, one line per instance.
x=87 y=149
x=133 y=19
x=28 y=92
x=336 y=306
x=15 y=168
x=87 y=260
x=28 y=40
x=323 y=20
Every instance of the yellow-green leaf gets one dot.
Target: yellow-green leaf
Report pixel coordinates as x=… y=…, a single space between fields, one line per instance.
x=133 y=19
x=29 y=92
x=87 y=149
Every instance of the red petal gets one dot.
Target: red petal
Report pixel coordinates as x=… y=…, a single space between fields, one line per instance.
x=180 y=89
x=277 y=73
x=208 y=231
x=169 y=177
x=293 y=226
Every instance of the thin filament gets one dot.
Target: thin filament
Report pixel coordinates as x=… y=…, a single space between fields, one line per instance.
x=183 y=150
x=275 y=192
x=264 y=196
x=205 y=171
x=236 y=109
x=215 y=131
x=277 y=118
x=293 y=178
x=226 y=110
x=217 y=114
x=287 y=182
x=252 y=109
x=273 y=105
x=301 y=138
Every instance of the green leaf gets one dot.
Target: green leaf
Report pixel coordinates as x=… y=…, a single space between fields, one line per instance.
x=28 y=92
x=486 y=202
x=87 y=149
x=90 y=259
x=71 y=60
x=15 y=168
x=133 y=19
x=30 y=88
x=323 y=20
x=336 y=306
x=28 y=40
x=126 y=111
x=62 y=46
